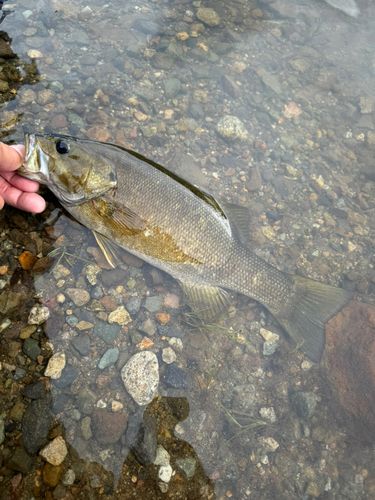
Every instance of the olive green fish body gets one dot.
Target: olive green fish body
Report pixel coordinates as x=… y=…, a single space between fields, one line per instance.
x=131 y=202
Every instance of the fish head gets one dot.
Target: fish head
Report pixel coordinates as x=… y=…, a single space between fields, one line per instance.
x=68 y=166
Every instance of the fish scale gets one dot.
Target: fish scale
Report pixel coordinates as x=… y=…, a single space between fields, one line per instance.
x=131 y=202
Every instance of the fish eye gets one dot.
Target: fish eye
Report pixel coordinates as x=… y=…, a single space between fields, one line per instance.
x=62 y=147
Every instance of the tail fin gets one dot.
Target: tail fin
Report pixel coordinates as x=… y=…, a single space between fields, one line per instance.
x=317 y=303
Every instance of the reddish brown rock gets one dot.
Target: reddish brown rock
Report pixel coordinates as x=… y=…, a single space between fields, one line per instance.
x=98 y=133
x=349 y=361
x=108 y=427
x=59 y=121
x=27 y=260
x=109 y=303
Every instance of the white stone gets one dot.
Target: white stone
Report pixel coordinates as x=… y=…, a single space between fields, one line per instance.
x=165 y=473
x=38 y=315
x=140 y=376
x=176 y=343
x=55 y=452
x=55 y=366
x=69 y=477
x=269 y=444
x=269 y=414
x=60 y=298
x=168 y=355
x=116 y=406
x=162 y=456
x=269 y=336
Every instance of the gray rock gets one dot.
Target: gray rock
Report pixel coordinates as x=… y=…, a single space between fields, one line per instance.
x=147 y=27
x=107 y=332
x=86 y=400
x=31 y=348
x=171 y=87
x=303 y=403
x=11 y=301
x=114 y=277
x=86 y=428
x=71 y=320
x=79 y=37
x=82 y=343
x=20 y=461
x=187 y=465
x=148 y=327
x=230 y=86
x=19 y=373
x=109 y=358
x=133 y=305
x=36 y=424
x=79 y=297
x=269 y=347
x=154 y=304
x=140 y=376
x=270 y=80
x=68 y=376
x=244 y=398
x=162 y=61
x=196 y=110
x=108 y=427
x=76 y=120
x=97 y=293
x=35 y=391
x=145 y=445
x=175 y=377
x=231 y=128
x=208 y=16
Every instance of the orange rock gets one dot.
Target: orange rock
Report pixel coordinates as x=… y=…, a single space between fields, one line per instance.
x=121 y=139
x=98 y=133
x=162 y=318
x=109 y=303
x=349 y=360
x=27 y=260
x=145 y=344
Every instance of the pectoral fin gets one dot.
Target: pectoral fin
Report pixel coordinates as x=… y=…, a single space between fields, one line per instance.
x=206 y=302
x=239 y=220
x=111 y=251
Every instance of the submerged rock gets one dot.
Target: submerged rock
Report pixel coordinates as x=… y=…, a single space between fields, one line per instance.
x=141 y=376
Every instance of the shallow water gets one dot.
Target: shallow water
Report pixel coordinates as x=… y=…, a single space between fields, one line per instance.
x=240 y=411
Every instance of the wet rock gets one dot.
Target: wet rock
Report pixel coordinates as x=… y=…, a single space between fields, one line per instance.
x=140 y=376
x=86 y=428
x=133 y=305
x=79 y=297
x=145 y=445
x=2 y=430
x=162 y=456
x=175 y=377
x=187 y=465
x=55 y=366
x=31 y=348
x=303 y=403
x=79 y=37
x=269 y=347
x=231 y=128
x=147 y=27
x=349 y=362
x=59 y=121
x=312 y=490
x=108 y=427
x=68 y=376
x=208 y=16
x=82 y=343
x=20 y=461
x=11 y=302
x=230 y=86
x=153 y=304
x=162 y=60
x=36 y=423
x=114 y=277
x=60 y=272
x=55 y=452
x=109 y=358
x=119 y=316
x=38 y=315
x=171 y=87
x=27 y=96
x=270 y=80
x=52 y=474
x=27 y=260
x=168 y=355
x=46 y=96
x=86 y=400
x=165 y=473
x=98 y=133
x=268 y=413
x=196 y=110
x=35 y=391
x=244 y=398
x=6 y=51
x=17 y=411
x=106 y=332
x=148 y=327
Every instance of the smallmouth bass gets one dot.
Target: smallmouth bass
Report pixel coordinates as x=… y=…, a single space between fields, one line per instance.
x=131 y=202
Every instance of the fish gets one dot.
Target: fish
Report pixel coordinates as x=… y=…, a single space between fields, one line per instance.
x=130 y=202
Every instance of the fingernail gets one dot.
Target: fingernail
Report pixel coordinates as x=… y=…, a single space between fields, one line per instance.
x=20 y=149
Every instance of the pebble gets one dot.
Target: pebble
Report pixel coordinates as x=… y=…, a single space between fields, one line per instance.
x=46 y=96
x=79 y=297
x=269 y=414
x=68 y=376
x=86 y=428
x=175 y=377
x=69 y=478
x=153 y=304
x=119 y=316
x=108 y=427
x=133 y=305
x=20 y=461
x=269 y=444
x=84 y=325
x=82 y=343
x=98 y=133
x=27 y=96
x=176 y=343
x=17 y=411
x=31 y=348
x=187 y=465
x=165 y=473
x=116 y=406
x=36 y=423
x=52 y=474
x=35 y=391
x=231 y=128
x=109 y=358
x=148 y=327
x=208 y=16
x=269 y=348
x=38 y=315
x=55 y=452
x=140 y=376
x=269 y=336
x=162 y=456
x=171 y=87
x=59 y=121
x=168 y=355
x=303 y=403
x=59 y=272
x=55 y=366
x=312 y=490
x=4 y=325
x=108 y=333
x=11 y=301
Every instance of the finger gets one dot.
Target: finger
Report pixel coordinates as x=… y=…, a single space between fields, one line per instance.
x=10 y=158
x=20 y=182
x=1 y=203
x=29 y=202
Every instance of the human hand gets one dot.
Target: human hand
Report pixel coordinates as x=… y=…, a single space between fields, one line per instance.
x=14 y=189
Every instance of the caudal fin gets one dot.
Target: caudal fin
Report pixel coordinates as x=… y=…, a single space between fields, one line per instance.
x=317 y=303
